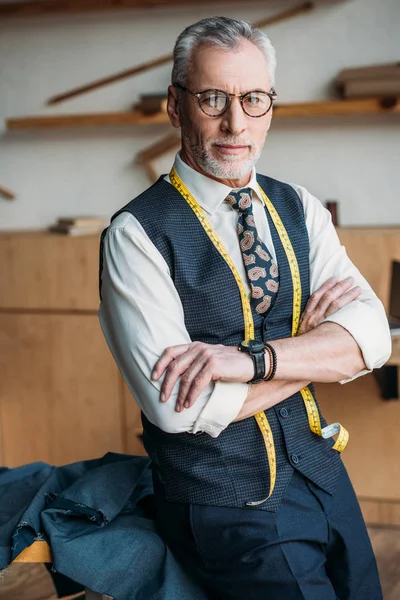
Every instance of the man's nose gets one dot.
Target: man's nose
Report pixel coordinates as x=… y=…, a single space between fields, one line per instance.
x=234 y=120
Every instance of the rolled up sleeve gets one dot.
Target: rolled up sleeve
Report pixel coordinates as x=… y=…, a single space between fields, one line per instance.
x=138 y=326
x=364 y=318
x=222 y=407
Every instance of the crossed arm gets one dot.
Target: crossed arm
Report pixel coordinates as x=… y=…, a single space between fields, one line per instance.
x=145 y=330
x=323 y=352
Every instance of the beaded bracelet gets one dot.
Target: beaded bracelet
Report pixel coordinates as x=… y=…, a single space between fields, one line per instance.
x=273 y=362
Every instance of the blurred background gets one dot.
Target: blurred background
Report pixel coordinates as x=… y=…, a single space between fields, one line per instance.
x=68 y=163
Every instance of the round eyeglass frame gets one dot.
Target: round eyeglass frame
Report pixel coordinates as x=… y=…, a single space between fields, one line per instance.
x=272 y=96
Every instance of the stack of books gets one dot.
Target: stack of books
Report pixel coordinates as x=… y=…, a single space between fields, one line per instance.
x=150 y=104
x=377 y=81
x=79 y=225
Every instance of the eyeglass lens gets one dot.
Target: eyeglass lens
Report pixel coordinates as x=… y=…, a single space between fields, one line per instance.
x=214 y=102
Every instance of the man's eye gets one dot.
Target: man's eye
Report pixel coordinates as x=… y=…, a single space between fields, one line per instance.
x=253 y=99
x=213 y=100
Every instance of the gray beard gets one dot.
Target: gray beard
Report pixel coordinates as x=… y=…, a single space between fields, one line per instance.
x=225 y=168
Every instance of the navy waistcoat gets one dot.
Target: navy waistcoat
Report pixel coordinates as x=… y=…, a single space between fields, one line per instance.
x=231 y=469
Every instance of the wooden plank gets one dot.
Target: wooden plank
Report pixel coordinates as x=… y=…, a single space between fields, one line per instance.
x=60 y=387
x=372 y=453
x=86 y=120
x=7 y=194
x=44 y=271
x=52 y=7
x=147 y=66
x=330 y=108
x=327 y=108
x=167 y=143
x=287 y=14
x=383 y=243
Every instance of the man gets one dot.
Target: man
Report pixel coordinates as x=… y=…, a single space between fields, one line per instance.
x=212 y=259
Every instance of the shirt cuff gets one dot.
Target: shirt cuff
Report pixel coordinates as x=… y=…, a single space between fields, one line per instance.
x=369 y=331
x=222 y=407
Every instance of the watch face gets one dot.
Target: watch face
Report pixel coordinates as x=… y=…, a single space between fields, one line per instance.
x=253 y=346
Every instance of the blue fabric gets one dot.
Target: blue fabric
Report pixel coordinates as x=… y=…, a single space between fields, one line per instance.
x=315 y=547
x=232 y=469
x=98 y=518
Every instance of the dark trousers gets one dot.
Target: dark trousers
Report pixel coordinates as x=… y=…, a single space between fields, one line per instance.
x=314 y=547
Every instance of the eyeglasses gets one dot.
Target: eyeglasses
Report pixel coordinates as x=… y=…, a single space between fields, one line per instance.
x=215 y=103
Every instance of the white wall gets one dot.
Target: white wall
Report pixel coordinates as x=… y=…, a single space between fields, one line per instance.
x=92 y=171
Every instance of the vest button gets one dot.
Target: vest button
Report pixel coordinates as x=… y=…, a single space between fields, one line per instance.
x=284 y=413
x=295 y=459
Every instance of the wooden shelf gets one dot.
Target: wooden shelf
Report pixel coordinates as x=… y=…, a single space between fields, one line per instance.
x=86 y=120
x=364 y=106
x=325 y=108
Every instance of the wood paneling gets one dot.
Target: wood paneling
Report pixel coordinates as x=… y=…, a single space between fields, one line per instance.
x=386 y=545
x=380 y=512
x=49 y=271
x=372 y=454
x=372 y=251
x=63 y=399
x=60 y=390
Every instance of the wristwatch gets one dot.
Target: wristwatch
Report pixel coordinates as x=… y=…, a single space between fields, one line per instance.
x=257 y=353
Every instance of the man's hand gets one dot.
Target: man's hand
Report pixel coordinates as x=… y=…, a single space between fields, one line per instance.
x=327 y=300
x=197 y=364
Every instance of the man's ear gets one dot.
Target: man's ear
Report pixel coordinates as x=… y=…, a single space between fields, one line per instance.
x=173 y=106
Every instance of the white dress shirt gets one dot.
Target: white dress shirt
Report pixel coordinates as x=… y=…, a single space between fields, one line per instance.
x=141 y=312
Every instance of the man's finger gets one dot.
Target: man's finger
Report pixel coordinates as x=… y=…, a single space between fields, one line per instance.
x=332 y=295
x=174 y=370
x=199 y=383
x=187 y=379
x=178 y=366
x=345 y=299
x=166 y=357
x=314 y=299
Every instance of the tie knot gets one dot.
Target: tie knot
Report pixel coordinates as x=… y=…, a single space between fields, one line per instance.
x=240 y=200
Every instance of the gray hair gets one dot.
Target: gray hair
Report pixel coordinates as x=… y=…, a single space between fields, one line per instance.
x=221 y=32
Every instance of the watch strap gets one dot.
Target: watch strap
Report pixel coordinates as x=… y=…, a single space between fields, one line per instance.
x=259 y=367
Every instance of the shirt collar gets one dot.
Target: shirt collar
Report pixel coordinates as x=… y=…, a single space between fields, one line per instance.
x=208 y=192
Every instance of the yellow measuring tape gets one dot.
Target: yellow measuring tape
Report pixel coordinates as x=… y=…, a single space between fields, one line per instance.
x=309 y=402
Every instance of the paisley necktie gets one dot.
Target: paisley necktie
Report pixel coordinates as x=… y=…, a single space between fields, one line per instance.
x=262 y=271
